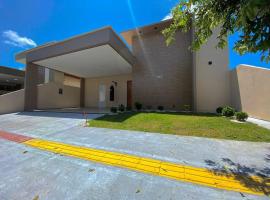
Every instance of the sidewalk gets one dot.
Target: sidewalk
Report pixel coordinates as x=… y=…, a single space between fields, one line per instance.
x=262 y=123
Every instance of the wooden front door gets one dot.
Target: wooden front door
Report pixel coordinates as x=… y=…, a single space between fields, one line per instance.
x=129 y=94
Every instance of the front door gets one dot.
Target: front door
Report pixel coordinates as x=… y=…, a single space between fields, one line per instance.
x=102 y=96
x=129 y=94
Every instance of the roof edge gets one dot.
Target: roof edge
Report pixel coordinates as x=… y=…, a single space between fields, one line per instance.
x=21 y=56
x=251 y=66
x=11 y=71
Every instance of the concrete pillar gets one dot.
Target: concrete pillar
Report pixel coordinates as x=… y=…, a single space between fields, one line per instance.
x=82 y=93
x=31 y=82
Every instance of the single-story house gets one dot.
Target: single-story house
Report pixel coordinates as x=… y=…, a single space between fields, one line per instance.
x=102 y=69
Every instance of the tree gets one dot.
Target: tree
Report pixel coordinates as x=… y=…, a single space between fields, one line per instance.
x=250 y=18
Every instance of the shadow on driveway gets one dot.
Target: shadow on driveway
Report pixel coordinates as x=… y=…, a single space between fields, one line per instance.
x=244 y=174
x=57 y=115
x=121 y=117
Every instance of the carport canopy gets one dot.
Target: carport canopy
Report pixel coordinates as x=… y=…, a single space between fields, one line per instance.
x=94 y=54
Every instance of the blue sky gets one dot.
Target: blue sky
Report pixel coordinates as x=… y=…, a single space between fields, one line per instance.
x=27 y=23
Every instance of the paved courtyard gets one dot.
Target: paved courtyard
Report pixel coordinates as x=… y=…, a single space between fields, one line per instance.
x=26 y=173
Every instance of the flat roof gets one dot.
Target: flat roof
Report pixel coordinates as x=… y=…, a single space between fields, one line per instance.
x=21 y=56
x=11 y=71
x=98 y=37
x=127 y=35
x=97 y=53
x=11 y=76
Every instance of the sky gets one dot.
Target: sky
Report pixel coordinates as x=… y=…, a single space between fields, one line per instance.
x=25 y=24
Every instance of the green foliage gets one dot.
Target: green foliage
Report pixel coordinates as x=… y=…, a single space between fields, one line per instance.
x=160 y=108
x=251 y=18
x=148 y=107
x=128 y=108
x=121 y=108
x=228 y=111
x=187 y=108
x=113 y=109
x=219 y=110
x=241 y=116
x=191 y=124
x=138 y=105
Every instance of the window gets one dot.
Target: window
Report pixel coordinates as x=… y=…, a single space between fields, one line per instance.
x=47 y=75
x=111 y=93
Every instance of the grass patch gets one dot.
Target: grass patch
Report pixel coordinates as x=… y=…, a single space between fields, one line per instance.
x=201 y=125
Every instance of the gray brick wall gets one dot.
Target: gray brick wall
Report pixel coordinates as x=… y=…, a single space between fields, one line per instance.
x=162 y=75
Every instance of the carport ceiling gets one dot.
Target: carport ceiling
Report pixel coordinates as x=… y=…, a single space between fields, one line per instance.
x=94 y=62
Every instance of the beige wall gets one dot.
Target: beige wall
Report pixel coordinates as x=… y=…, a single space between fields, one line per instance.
x=251 y=91
x=72 y=81
x=62 y=78
x=211 y=82
x=92 y=90
x=12 y=102
x=58 y=77
x=49 y=97
x=162 y=75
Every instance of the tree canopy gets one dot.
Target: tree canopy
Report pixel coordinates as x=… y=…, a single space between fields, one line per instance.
x=250 y=18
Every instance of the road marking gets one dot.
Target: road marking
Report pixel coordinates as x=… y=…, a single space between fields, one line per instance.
x=14 y=137
x=248 y=184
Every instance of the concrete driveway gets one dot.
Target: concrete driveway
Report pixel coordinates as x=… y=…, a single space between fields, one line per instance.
x=26 y=173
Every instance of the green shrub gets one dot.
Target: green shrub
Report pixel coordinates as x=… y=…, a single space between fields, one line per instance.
x=219 y=110
x=138 y=105
x=121 y=108
x=187 y=107
x=228 y=111
x=148 y=107
x=160 y=108
x=241 y=116
x=128 y=108
x=113 y=109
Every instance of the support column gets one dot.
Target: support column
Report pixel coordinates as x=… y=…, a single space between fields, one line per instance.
x=82 y=93
x=31 y=82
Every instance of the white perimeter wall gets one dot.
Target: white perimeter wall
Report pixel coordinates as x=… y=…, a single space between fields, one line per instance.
x=251 y=91
x=12 y=102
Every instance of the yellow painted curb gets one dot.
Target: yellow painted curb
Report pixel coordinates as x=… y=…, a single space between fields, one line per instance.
x=201 y=176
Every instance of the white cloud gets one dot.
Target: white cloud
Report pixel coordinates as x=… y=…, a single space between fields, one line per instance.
x=168 y=16
x=13 y=38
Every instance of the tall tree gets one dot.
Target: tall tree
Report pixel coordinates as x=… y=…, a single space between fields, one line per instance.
x=251 y=18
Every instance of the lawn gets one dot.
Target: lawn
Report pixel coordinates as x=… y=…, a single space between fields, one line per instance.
x=201 y=125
